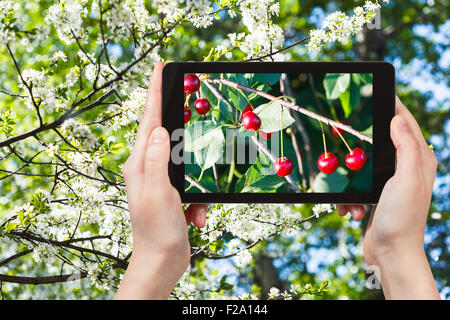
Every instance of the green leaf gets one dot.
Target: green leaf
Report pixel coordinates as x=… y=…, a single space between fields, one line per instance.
x=217 y=245
x=237 y=99
x=208 y=156
x=200 y=134
x=270 y=117
x=116 y=148
x=366 y=77
x=335 y=84
x=226 y=110
x=20 y=214
x=238 y=78
x=324 y=284
x=206 y=93
x=10 y=226
x=270 y=78
x=350 y=98
x=266 y=184
x=335 y=182
x=368 y=132
x=223 y=285
x=255 y=180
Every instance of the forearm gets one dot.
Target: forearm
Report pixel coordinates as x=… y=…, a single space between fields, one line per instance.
x=407 y=275
x=147 y=278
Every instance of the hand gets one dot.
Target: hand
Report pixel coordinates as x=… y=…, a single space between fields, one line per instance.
x=394 y=239
x=161 y=250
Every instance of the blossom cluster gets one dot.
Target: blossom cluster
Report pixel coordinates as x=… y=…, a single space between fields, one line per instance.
x=338 y=26
x=263 y=36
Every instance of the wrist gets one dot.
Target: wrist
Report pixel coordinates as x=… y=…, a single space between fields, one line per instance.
x=398 y=254
x=150 y=276
x=404 y=273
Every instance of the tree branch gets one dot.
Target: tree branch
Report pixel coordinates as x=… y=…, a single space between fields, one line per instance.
x=43 y=280
x=278 y=51
x=294 y=107
x=196 y=184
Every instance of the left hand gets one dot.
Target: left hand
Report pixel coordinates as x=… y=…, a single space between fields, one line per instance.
x=161 y=249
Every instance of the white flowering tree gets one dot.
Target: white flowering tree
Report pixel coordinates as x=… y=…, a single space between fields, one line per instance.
x=74 y=76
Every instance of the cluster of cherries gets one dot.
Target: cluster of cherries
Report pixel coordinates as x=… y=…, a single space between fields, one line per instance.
x=328 y=162
x=250 y=120
x=202 y=105
x=282 y=166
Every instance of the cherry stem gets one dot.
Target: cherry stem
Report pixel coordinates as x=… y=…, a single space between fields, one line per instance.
x=281 y=132
x=340 y=135
x=196 y=180
x=323 y=138
x=272 y=101
x=186 y=104
x=242 y=92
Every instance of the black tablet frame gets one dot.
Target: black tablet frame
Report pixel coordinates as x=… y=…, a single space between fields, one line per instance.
x=383 y=112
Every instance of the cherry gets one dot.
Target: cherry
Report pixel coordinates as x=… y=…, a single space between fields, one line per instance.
x=202 y=106
x=356 y=159
x=265 y=135
x=251 y=121
x=247 y=108
x=191 y=83
x=335 y=131
x=283 y=166
x=187 y=114
x=327 y=162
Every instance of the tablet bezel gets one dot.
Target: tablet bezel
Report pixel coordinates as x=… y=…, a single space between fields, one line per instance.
x=383 y=149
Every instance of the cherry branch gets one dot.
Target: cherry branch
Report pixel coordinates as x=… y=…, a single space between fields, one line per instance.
x=196 y=184
x=293 y=106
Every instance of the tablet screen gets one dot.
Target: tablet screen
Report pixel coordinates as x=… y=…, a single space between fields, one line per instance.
x=278 y=132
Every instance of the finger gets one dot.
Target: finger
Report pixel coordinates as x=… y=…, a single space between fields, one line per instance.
x=429 y=160
x=157 y=159
x=412 y=123
x=188 y=215
x=151 y=118
x=198 y=216
x=357 y=211
x=408 y=150
x=342 y=209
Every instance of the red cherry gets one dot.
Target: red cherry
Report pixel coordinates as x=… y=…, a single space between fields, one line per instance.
x=251 y=121
x=327 y=163
x=335 y=131
x=265 y=135
x=187 y=115
x=356 y=159
x=191 y=83
x=283 y=166
x=247 y=108
x=202 y=106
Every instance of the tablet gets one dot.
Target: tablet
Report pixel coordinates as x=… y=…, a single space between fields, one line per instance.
x=281 y=132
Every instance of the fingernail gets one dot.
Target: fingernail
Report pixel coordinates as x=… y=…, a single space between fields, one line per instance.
x=159 y=135
x=401 y=122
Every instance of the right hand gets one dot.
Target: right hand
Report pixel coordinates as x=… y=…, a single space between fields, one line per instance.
x=398 y=221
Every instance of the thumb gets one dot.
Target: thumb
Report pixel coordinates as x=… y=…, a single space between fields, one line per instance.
x=408 y=152
x=157 y=157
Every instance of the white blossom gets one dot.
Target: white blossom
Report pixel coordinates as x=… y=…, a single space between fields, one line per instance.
x=338 y=26
x=243 y=258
